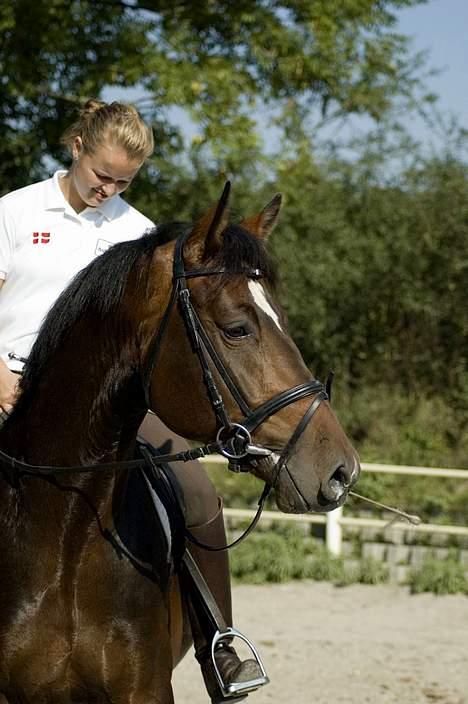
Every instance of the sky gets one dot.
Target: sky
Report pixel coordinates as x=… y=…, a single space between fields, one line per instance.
x=440 y=27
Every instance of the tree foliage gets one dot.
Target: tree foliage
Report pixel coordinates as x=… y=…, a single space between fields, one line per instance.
x=221 y=61
x=379 y=287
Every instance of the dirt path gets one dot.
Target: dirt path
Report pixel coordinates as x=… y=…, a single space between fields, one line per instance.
x=327 y=645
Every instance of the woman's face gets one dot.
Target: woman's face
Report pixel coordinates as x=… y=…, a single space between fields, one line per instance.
x=96 y=177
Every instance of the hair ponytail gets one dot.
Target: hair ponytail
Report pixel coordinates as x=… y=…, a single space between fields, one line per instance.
x=117 y=123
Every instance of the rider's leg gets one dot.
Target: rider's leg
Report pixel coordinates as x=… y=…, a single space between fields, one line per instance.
x=200 y=495
x=204 y=518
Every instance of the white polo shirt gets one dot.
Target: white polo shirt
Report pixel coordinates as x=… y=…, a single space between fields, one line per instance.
x=43 y=244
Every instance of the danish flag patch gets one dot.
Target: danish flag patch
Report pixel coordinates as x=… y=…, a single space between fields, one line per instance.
x=41 y=237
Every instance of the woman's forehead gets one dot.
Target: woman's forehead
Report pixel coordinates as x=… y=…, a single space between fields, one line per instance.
x=114 y=161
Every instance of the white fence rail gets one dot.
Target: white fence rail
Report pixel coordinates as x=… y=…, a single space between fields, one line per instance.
x=335 y=520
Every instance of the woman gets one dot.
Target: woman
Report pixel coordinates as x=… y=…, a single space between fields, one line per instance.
x=48 y=232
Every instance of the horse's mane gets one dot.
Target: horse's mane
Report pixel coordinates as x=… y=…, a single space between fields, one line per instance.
x=99 y=287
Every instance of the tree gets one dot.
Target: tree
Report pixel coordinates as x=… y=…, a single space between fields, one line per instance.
x=376 y=274
x=221 y=61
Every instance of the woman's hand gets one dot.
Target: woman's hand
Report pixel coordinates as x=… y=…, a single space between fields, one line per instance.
x=8 y=383
x=8 y=388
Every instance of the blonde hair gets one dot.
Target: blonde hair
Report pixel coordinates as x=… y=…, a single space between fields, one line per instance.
x=119 y=123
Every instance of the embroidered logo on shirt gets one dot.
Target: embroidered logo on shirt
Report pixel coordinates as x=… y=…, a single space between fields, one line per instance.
x=41 y=237
x=101 y=246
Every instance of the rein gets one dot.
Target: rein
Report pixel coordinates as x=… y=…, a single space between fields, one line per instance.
x=233 y=440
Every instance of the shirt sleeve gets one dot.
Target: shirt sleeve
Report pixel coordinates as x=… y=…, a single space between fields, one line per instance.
x=7 y=239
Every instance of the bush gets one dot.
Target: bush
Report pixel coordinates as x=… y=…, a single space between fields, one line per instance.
x=266 y=557
x=439 y=577
x=284 y=553
x=372 y=571
x=324 y=567
x=387 y=424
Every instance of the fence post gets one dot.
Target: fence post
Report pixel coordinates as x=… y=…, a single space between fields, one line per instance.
x=334 y=533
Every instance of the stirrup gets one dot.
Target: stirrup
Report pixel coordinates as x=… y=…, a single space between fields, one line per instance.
x=234 y=689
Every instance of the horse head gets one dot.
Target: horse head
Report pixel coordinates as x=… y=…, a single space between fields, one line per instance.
x=255 y=368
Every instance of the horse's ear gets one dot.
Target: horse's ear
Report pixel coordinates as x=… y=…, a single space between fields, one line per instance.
x=205 y=238
x=262 y=224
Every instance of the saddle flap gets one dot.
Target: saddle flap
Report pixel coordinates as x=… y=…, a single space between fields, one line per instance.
x=149 y=517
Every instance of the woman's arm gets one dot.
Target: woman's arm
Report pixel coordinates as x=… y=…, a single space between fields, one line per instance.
x=8 y=382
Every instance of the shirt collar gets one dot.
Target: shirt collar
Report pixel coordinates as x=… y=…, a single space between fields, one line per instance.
x=108 y=208
x=55 y=200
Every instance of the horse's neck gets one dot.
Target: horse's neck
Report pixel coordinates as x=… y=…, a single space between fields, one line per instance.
x=77 y=417
x=89 y=401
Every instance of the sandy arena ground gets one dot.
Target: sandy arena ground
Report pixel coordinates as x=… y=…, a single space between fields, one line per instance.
x=329 y=645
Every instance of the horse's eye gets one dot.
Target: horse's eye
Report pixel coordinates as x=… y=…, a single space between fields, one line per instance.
x=237 y=332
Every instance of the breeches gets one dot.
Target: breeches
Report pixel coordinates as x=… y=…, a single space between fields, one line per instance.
x=201 y=499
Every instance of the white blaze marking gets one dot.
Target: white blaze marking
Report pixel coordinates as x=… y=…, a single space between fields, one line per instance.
x=256 y=289
x=355 y=470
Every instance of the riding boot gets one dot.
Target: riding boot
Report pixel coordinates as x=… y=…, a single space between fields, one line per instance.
x=214 y=567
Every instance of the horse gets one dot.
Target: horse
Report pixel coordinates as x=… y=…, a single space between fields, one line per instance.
x=78 y=620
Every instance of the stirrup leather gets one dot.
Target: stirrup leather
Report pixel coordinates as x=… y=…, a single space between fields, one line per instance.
x=233 y=689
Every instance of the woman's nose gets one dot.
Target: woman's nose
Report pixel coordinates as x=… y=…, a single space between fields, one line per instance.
x=110 y=189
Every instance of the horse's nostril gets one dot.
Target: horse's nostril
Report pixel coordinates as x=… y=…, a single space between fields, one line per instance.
x=335 y=486
x=340 y=477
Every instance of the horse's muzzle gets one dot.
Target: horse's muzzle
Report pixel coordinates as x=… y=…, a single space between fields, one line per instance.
x=297 y=494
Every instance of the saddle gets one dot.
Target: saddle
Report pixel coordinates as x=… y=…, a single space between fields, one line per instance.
x=149 y=517
x=150 y=529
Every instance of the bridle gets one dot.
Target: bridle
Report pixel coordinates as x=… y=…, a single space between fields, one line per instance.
x=234 y=439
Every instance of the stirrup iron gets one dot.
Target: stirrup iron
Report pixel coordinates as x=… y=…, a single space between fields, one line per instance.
x=234 y=689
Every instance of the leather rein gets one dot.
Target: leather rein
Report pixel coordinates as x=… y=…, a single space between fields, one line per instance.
x=233 y=440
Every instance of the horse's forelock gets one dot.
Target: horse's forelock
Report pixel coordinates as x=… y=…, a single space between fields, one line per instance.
x=243 y=251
